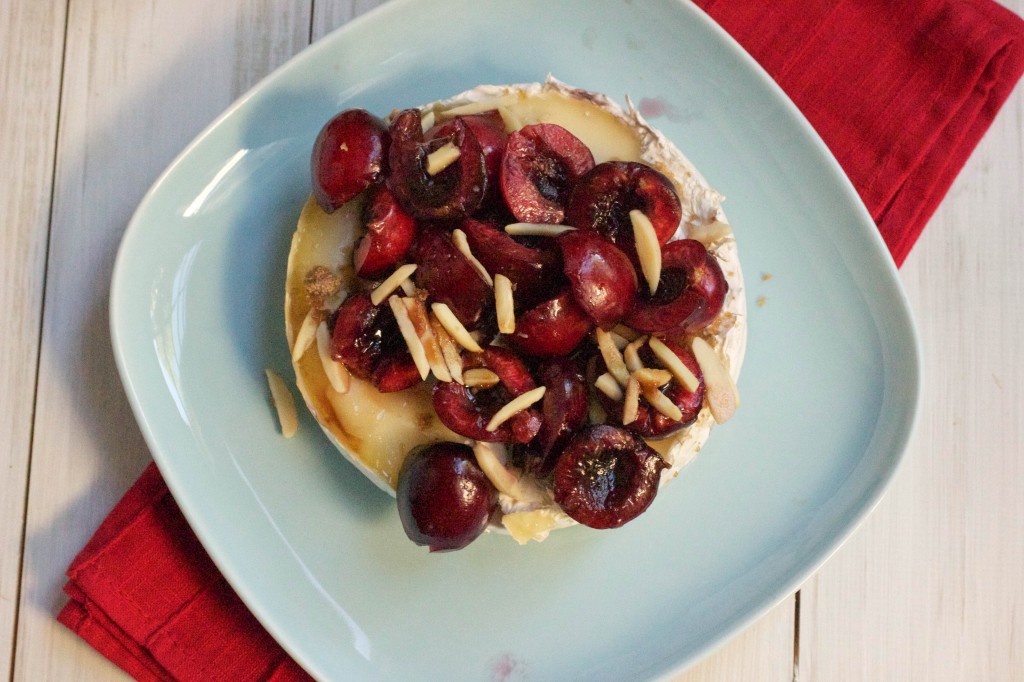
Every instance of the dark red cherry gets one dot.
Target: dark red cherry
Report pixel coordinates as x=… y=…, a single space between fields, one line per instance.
x=564 y=408
x=450 y=278
x=542 y=163
x=489 y=129
x=452 y=193
x=553 y=327
x=601 y=277
x=533 y=272
x=444 y=499
x=390 y=232
x=603 y=198
x=650 y=423
x=367 y=340
x=606 y=476
x=467 y=411
x=690 y=293
x=348 y=156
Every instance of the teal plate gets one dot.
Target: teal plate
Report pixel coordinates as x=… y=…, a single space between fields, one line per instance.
x=830 y=383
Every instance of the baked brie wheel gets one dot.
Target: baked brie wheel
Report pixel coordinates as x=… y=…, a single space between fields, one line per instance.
x=520 y=308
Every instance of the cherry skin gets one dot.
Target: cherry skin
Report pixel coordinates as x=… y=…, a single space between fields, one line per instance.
x=348 y=156
x=444 y=499
x=542 y=163
x=602 y=278
x=532 y=271
x=606 y=476
x=489 y=129
x=553 y=327
x=366 y=339
x=565 y=407
x=390 y=232
x=449 y=277
x=690 y=294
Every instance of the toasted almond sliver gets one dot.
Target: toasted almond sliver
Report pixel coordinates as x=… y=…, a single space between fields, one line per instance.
x=480 y=377
x=626 y=332
x=441 y=158
x=607 y=384
x=284 y=403
x=515 y=405
x=412 y=339
x=335 y=371
x=452 y=325
x=631 y=401
x=652 y=378
x=648 y=249
x=492 y=458
x=661 y=403
x=631 y=354
x=673 y=364
x=449 y=349
x=511 y=121
x=612 y=357
x=408 y=287
x=720 y=392
x=305 y=336
x=619 y=340
x=478 y=107
x=420 y=318
x=388 y=286
x=536 y=229
x=427 y=119
x=462 y=244
x=504 y=304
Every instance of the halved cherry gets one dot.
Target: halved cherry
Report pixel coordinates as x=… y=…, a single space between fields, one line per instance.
x=390 y=232
x=348 y=156
x=450 y=278
x=467 y=411
x=489 y=129
x=601 y=277
x=453 y=192
x=606 y=476
x=603 y=198
x=690 y=293
x=554 y=327
x=367 y=340
x=650 y=423
x=532 y=271
x=542 y=163
x=444 y=499
x=564 y=409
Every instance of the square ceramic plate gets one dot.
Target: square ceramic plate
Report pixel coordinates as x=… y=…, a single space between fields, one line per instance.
x=829 y=385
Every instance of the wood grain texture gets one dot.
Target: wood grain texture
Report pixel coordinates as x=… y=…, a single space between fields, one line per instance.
x=31 y=45
x=141 y=80
x=932 y=586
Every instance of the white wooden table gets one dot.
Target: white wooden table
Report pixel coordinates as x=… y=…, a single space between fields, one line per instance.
x=97 y=97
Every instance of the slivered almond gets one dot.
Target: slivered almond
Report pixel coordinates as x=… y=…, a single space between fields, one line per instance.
x=626 y=332
x=661 y=403
x=427 y=119
x=449 y=349
x=607 y=384
x=619 y=340
x=388 y=286
x=719 y=389
x=462 y=244
x=631 y=355
x=631 y=401
x=420 y=318
x=412 y=340
x=648 y=249
x=673 y=364
x=408 y=287
x=504 y=304
x=284 y=403
x=452 y=325
x=492 y=459
x=612 y=357
x=536 y=229
x=305 y=336
x=335 y=370
x=478 y=107
x=480 y=377
x=515 y=405
x=511 y=121
x=441 y=158
x=652 y=378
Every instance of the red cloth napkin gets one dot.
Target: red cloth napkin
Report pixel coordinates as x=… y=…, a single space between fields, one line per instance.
x=900 y=91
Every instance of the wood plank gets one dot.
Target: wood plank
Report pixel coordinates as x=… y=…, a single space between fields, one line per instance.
x=142 y=78
x=31 y=47
x=930 y=588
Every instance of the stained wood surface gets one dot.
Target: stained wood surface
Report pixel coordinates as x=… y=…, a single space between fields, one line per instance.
x=97 y=97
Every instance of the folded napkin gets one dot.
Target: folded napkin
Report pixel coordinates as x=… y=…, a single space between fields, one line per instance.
x=900 y=91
